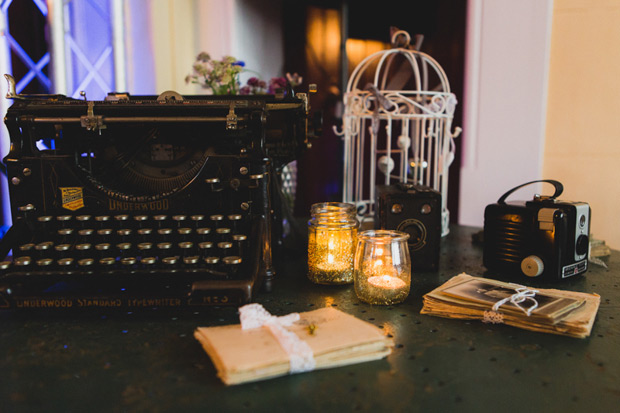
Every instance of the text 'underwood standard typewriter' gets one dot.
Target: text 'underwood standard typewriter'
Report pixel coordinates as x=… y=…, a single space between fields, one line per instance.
x=144 y=201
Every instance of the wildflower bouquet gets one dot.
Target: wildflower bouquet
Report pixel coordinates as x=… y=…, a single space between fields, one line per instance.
x=221 y=77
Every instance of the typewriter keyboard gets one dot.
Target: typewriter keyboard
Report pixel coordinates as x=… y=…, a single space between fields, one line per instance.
x=214 y=244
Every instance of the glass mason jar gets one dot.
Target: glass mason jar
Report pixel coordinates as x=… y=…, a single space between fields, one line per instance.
x=382 y=267
x=332 y=233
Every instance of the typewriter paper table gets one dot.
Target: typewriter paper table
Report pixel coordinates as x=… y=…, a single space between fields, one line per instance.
x=150 y=361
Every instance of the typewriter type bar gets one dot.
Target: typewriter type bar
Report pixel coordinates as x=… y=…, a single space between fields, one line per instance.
x=144 y=201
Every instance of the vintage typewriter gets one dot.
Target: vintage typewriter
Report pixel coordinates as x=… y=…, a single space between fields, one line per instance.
x=145 y=201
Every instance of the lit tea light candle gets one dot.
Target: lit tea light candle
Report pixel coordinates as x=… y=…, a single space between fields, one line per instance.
x=331 y=246
x=382 y=267
x=387 y=282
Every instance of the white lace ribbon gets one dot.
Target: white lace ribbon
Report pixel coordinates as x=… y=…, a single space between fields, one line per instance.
x=300 y=354
x=522 y=295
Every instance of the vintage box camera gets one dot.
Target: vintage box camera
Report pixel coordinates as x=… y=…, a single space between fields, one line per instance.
x=545 y=237
x=416 y=210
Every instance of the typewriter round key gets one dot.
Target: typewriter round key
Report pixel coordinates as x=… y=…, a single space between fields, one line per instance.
x=62 y=250
x=179 y=219
x=45 y=263
x=102 y=220
x=63 y=220
x=83 y=249
x=164 y=234
x=86 y=233
x=212 y=260
x=141 y=220
x=186 y=247
x=121 y=218
x=160 y=220
x=217 y=220
x=65 y=262
x=205 y=247
x=212 y=180
x=224 y=247
x=240 y=241
x=148 y=262
x=128 y=261
x=104 y=234
x=145 y=233
x=83 y=220
x=25 y=249
x=199 y=220
x=191 y=261
x=103 y=250
x=23 y=261
x=107 y=262
x=86 y=262
x=203 y=233
x=170 y=261
x=164 y=248
x=145 y=246
x=5 y=265
x=45 y=223
x=124 y=234
x=124 y=248
x=232 y=264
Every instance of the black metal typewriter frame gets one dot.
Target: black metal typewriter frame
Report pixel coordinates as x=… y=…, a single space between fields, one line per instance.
x=265 y=131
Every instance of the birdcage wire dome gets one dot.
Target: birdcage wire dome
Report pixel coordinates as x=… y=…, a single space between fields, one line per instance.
x=397 y=135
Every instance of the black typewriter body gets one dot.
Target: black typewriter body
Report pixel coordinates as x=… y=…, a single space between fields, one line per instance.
x=144 y=201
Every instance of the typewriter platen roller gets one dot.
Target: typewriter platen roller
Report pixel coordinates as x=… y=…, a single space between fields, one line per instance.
x=144 y=201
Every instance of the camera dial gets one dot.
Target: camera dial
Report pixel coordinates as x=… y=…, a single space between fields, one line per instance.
x=532 y=266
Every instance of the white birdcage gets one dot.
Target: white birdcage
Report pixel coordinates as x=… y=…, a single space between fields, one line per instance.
x=396 y=135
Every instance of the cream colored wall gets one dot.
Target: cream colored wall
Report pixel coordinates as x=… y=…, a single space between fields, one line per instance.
x=173 y=34
x=582 y=146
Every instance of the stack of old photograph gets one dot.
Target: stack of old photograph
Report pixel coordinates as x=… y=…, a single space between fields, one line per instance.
x=545 y=310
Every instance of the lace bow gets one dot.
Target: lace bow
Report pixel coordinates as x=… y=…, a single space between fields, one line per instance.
x=300 y=354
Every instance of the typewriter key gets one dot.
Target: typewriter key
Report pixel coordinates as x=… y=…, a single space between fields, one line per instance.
x=124 y=249
x=223 y=234
x=85 y=234
x=5 y=265
x=83 y=220
x=62 y=250
x=160 y=220
x=169 y=261
x=86 y=262
x=164 y=234
x=65 y=235
x=124 y=234
x=186 y=248
x=148 y=262
x=164 y=248
x=185 y=233
x=205 y=247
x=63 y=220
x=128 y=261
x=141 y=220
x=216 y=220
x=203 y=233
x=44 y=263
x=145 y=233
x=102 y=221
x=45 y=224
x=65 y=263
x=107 y=262
x=103 y=250
x=231 y=260
x=199 y=220
x=240 y=241
x=192 y=261
x=121 y=219
x=23 y=261
x=179 y=219
x=212 y=260
x=224 y=248
x=25 y=249
x=83 y=249
x=104 y=234
x=145 y=246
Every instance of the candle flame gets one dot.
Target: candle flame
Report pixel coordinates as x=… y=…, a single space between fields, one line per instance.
x=330 y=258
x=378 y=262
x=379 y=251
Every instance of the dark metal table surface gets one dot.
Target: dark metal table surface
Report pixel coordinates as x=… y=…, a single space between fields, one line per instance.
x=149 y=361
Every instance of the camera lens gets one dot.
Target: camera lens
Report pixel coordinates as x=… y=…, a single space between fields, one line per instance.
x=582 y=244
x=416 y=231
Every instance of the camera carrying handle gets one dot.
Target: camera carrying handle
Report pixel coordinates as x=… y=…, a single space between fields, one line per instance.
x=557 y=185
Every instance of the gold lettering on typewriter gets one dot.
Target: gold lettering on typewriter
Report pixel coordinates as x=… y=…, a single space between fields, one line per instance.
x=44 y=303
x=72 y=198
x=159 y=205
x=154 y=302
x=99 y=302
